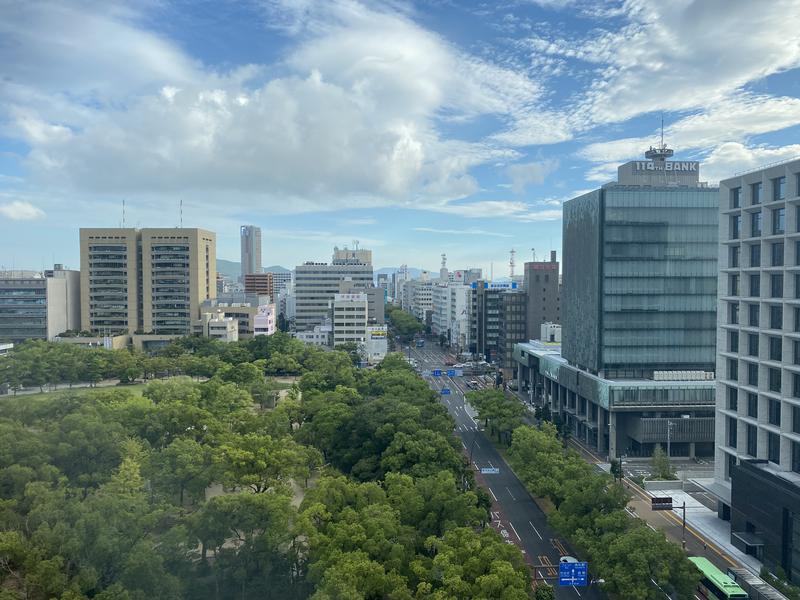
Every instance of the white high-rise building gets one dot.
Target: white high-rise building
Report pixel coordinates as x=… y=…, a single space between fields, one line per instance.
x=350 y=313
x=316 y=284
x=251 y=249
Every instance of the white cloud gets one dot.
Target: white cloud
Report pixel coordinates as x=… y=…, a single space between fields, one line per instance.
x=524 y=174
x=481 y=209
x=21 y=211
x=470 y=231
x=728 y=159
x=542 y=215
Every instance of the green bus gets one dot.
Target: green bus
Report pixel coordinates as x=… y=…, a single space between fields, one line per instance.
x=716 y=585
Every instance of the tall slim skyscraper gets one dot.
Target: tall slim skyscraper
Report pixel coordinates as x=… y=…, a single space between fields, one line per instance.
x=151 y=280
x=251 y=249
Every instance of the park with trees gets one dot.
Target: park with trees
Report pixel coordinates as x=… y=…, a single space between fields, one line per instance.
x=199 y=483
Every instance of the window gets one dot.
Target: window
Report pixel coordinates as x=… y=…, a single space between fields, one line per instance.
x=733 y=313
x=775 y=348
x=797 y=250
x=752 y=314
x=732 y=432
x=774 y=448
x=752 y=440
x=755 y=193
x=755 y=285
x=775 y=412
x=776 y=317
x=797 y=286
x=796 y=419
x=736 y=226
x=795 y=457
x=752 y=406
x=755 y=224
x=752 y=344
x=755 y=255
x=733 y=370
x=775 y=380
x=735 y=194
x=797 y=319
x=752 y=374
x=733 y=341
x=776 y=285
x=733 y=256
x=779 y=220
x=733 y=399
x=777 y=254
x=733 y=285
x=779 y=188
x=795 y=385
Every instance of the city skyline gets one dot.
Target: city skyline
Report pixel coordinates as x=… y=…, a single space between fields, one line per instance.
x=429 y=129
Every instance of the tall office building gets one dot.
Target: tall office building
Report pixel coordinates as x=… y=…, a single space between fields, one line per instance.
x=316 y=284
x=150 y=280
x=543 y=289
x=757 y=467
x=486 y=304
x=280 y=279
x=39 y=306
x=251 y=249
x=638 y=303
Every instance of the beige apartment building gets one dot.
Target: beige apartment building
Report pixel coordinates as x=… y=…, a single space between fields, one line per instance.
x=146 y=280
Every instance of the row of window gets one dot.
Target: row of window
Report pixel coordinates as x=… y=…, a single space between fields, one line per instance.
x=774 y=378
x=776 y=254
x=778 y=223
x=776 y=287
x=778 y=192
x=775 y=315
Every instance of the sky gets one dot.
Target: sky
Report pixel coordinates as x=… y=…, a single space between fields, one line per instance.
x=416 y=128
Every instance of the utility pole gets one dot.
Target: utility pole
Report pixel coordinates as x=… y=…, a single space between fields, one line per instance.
x=669 y=438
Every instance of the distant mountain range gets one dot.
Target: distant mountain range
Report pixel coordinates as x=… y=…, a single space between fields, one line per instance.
x=233 y=269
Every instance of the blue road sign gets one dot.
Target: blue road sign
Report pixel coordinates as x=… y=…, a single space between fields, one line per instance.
x=445 y=391
x=451 y=372
x=437 y=372
x=573 y=573
x=490 y=470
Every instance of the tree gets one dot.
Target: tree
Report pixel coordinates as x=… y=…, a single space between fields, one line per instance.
x=544 y=592
x=183 y=466
x=662 y=466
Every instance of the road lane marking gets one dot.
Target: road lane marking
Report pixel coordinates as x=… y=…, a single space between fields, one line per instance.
x=463 y=444
x=491 y=465
x=476 y=465
x=514 y=529
x=536 y=530
x=510 y=494
x=576 y=591
x=492 y=493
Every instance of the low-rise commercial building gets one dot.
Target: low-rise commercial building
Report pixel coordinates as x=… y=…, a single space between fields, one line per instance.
x=377 y=343
x=261 y=284
x=265 y=320
x=217 y=326
x=350 y=318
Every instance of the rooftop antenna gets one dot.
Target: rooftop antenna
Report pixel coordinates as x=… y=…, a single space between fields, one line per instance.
x=123 y=213
x=444 y=260
x=491 y=271
x=533 y=252
x=512 y=263
x=181 y=213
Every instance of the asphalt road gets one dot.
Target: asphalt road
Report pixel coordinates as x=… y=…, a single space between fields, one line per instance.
x=514 y=513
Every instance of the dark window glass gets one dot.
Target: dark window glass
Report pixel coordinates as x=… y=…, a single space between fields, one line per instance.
x=777 y=254
x=752 y=405
x=797 y=285
x=733 y=313
x=733 y=285
x=774 y=448
x=797 y=250
x=779 y=220
x=775 y=285
x=796 y=352
x=733 y=398
x=752 y=374
x=795 y=457
x=733 y=370
x=755 y=285
x=779 y=188
x=733 y=341
x=797 y=319
x=731 y=432
x=755 y=193
x=735 y=194
x=736 y=226
x=752 y=440
x=776 y=317
x=795 y=385
x=755 y=224
x=775 y=412
x=775 y=348
x=775 y=380
x=755 y=255
x=796 y=419
x=752 y=344
x=752 y=315
x=733 y=256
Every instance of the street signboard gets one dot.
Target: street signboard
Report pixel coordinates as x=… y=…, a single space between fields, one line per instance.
x=573 y=573
x=425 y=373
x=663 y=503
x=437 y=372
x=490 y=471
x=451 y=372
x=445 y=391
x=459 y=372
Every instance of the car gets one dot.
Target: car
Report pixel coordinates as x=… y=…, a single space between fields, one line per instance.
x=569 y=559
x=473 y=383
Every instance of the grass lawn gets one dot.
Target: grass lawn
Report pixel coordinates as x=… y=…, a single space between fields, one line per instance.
x=135 y=389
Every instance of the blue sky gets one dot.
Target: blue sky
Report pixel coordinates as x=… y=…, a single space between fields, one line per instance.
x=414 y=127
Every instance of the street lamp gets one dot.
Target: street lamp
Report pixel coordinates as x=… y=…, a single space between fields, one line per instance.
x=669 y=437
